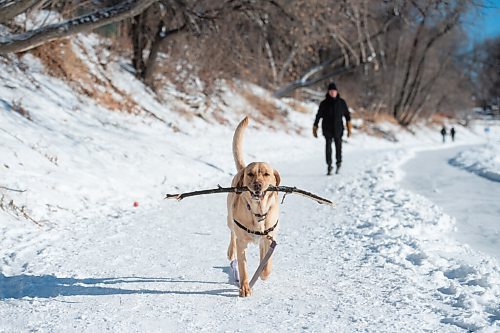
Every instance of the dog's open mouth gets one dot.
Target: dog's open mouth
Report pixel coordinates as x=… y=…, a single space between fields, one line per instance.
x=257 y=195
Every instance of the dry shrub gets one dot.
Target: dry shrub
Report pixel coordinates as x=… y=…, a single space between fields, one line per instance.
x=267 y=109
x=18 y=108
x=60 y=61
x=438 y=119
x=184 y=112
x=297 y=106
x=219 y=117
x=377 y=117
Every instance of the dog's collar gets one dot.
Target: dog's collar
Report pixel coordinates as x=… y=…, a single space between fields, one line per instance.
x=260 y=217
x=255 y=232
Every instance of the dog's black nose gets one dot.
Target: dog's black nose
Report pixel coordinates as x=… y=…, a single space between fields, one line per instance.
x=257 y=186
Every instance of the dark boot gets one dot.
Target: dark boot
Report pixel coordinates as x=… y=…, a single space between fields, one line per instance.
x=338 y=167
x=329 y=172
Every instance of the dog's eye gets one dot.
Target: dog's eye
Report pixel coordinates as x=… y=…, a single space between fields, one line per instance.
x=266 y=174
x=250 y=174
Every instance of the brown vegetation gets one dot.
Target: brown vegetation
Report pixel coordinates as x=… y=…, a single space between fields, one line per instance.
x=267 y=109
x=61 y=61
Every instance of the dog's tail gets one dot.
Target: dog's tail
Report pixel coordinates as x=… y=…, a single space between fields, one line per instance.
x=237 y=144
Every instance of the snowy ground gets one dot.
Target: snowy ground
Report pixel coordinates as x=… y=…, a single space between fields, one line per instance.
x=470 y=199
x=383 y=260
x=483 y=160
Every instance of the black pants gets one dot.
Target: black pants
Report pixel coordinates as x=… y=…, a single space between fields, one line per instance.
x=338 y=149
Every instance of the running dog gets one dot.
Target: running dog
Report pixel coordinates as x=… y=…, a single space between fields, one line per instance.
x=252 y=215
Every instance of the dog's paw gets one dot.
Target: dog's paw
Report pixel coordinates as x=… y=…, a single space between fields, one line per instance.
x=264 y=275
x=245 y=291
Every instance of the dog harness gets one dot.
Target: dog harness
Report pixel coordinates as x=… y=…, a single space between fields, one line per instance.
x=260 y=233
x=260 y=217
x=269 y=253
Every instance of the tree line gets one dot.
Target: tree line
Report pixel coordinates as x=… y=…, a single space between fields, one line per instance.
x=405 y=58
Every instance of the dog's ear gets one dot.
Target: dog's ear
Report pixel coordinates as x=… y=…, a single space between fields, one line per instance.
x=277 y=177
x=239 y=178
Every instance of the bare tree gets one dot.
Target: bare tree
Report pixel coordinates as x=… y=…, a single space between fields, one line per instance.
x=427 y=34
x=341 y=45
x=486 y=62
x=151 y=29
x=88 y=22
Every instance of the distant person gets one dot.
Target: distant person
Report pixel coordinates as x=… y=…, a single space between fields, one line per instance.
x=331 y=110
x=443 y=133
x=452 y=133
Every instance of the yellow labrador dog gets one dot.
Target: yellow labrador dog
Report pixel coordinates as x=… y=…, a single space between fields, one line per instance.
x=252 y=216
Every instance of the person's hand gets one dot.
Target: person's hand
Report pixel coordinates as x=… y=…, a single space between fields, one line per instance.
x=349 y=129
x=315 y=131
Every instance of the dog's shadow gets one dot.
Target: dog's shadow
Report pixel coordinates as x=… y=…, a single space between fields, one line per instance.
x=49 y=286
x=230 y=275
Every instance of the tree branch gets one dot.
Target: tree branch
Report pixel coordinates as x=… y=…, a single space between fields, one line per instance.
x=13 y=8
x=239 y=190
x=37 y=37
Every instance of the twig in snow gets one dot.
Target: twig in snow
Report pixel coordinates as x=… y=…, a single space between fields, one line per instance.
x=18 y=211
x=12 y=189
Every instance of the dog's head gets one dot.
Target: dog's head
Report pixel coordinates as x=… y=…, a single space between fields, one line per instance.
x=258 y=176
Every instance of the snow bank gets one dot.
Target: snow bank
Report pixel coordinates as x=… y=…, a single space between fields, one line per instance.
x=484 y=161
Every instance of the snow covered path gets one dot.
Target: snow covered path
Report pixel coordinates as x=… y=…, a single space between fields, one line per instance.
x=473 y=200
x=378 y=262
x=381 y=261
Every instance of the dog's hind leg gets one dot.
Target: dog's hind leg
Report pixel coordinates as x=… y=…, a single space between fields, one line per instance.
x=231 y=249
x=264 y=247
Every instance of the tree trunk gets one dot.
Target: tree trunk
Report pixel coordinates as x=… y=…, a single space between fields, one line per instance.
x=150 y=65
x=138 y=45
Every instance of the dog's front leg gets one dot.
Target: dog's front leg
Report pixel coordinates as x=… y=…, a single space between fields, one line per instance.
x=245 y=290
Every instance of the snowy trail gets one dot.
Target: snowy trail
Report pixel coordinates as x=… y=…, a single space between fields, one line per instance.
x=374 y=263
x=471 y=199
x=381 y=261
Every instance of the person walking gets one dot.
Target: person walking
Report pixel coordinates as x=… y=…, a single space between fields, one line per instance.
x=452 y=133
x=443 y=133
x=331 y=110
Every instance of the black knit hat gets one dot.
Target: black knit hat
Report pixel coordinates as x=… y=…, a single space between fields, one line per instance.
x=332 y=86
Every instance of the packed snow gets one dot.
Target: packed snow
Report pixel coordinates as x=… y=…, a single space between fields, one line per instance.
x=471 y=200
x=89 y=244
x=483 y=160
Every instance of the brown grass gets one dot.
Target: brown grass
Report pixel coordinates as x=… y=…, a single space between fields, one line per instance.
x=438 y=119
x=266 y=108
x=297 y=106
x=60 y=61
x=18 y=107
x=377 y=117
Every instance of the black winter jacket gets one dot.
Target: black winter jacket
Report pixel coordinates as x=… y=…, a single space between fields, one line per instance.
x=332 y=110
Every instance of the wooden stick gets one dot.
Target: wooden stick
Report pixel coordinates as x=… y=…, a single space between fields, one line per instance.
x=219 y=189
x=286 y=189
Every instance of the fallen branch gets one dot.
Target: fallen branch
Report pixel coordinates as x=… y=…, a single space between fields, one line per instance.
x=238 y=190
x=17 y=211
x=12 y=189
